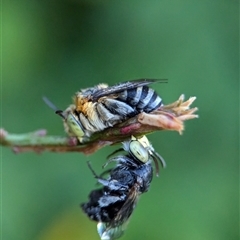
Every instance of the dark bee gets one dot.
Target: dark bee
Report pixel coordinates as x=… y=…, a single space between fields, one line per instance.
x=142 y=149
x=101 y=107
x=112 y=205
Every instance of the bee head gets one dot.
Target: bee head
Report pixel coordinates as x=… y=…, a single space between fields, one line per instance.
x=72 y=125
x=142 y=150
x=137 y=150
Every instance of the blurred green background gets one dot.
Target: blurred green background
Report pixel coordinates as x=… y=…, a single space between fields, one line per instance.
x=54 y=48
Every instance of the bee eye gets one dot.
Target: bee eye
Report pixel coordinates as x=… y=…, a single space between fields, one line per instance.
x=138 y=151
x=74 y=125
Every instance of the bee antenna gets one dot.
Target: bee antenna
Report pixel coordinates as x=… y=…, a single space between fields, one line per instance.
x=160 y=158
x=53 y=106
x=90 y=167
x=156 y=165
x=116 y=151
x=49 y=103
x=162 y=80
x=60 y=113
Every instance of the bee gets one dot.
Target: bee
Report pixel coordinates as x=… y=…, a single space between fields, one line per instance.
x=100 y=107
x=112 y=205
x=141 y=149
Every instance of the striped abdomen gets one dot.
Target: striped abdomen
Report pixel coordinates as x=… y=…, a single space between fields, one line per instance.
x=143 y=99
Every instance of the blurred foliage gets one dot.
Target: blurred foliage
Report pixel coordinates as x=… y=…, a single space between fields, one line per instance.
x=54 y=48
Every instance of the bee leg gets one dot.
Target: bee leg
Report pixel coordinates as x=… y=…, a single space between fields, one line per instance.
x=120 y=159
x=112 y=184
x=123 y=160
x=112 y=159
x=116 y=151
x=93 y=172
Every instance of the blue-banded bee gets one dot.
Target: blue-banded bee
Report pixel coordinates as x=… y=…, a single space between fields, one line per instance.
x=101 y=107
x=112 y=205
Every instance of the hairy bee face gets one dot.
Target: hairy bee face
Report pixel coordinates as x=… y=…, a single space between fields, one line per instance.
x=71 y=123
x=101 y=107
x=112 y=205
x=142 y=150
x=137 y=149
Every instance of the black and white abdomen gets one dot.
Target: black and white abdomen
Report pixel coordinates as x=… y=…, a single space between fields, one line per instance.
x=142 y=99
x=127 y=103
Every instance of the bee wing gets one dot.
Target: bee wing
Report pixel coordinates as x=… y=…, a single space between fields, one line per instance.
x=128 y=207
x=117 y=226
x=124 y=86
